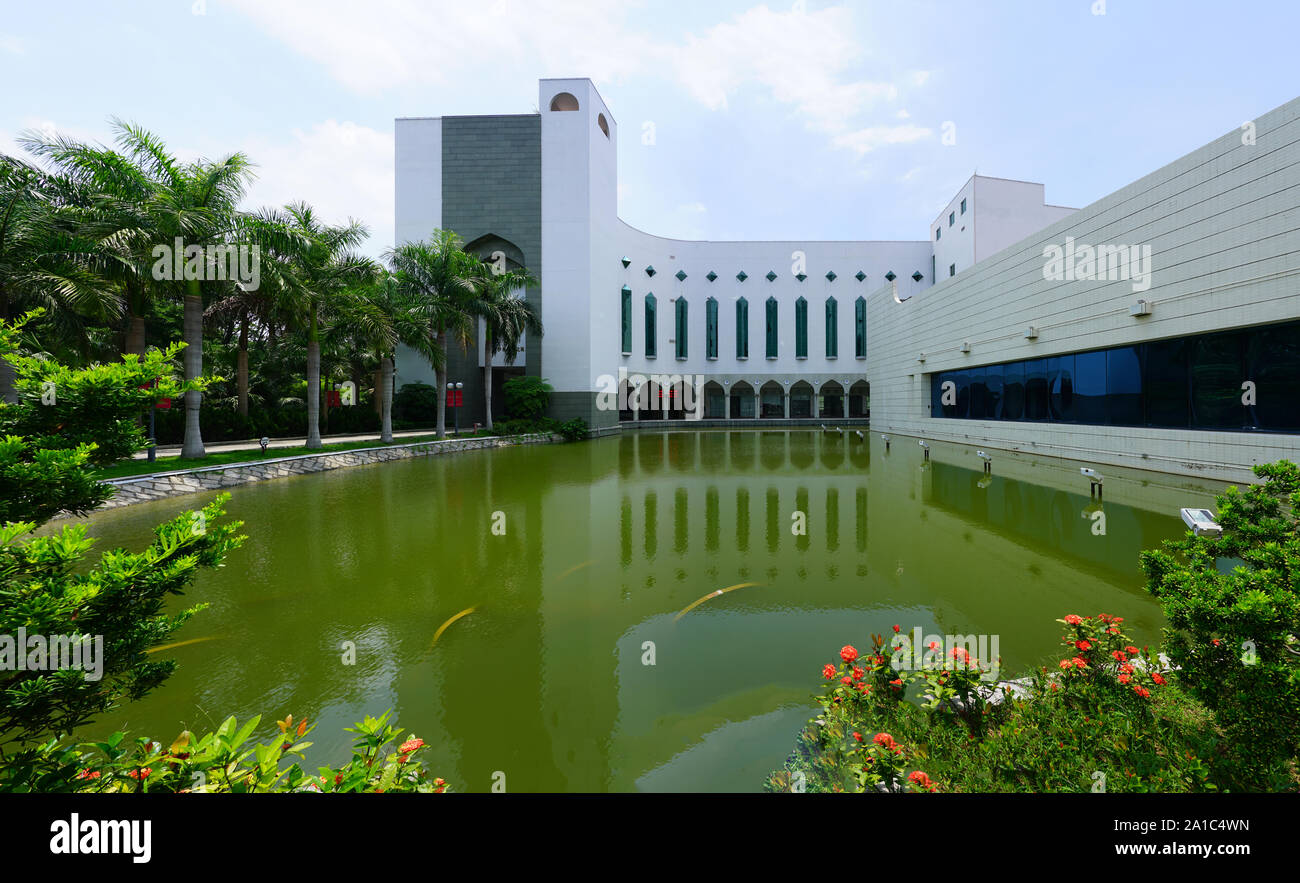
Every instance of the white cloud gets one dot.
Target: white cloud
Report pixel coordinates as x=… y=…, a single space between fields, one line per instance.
x=802 y=59
x=863 y=141
x=341 y=169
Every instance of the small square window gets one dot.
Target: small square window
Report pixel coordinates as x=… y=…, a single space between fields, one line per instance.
x=938 y=233
x=963 y=206
x=952 y=218
x=952 y=269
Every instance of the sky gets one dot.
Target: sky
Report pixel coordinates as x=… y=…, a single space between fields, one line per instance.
x=855 y=120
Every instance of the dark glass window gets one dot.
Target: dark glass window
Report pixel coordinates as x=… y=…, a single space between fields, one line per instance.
x=627 y=319
x=1166 y=383
x=1013 y=391
x=711 y=328
x=801 y=329
x=1060 y=380
x=860 y=328
x=742 y=329
x=1217 y=375
x=993 y=391
x=1036 y=391
x=771 y=328
x=682 y=326
x=1273 y=365
x=1124 y=386
x=963 y=379
x=1090 y=387
x=832 y=329
x=650 y=307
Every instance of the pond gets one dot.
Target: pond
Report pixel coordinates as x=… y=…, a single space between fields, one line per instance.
x=597 y=549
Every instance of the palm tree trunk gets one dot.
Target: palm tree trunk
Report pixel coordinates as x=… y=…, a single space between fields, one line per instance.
x=440 y=372
x=192 y=447
x=488 y=353
x=385 y=390
x=135 y=336
x=313 y=383
x=241 y=366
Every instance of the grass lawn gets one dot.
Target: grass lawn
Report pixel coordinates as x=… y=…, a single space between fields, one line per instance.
x=128 y=468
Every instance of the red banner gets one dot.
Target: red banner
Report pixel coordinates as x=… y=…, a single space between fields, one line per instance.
x=455 y=398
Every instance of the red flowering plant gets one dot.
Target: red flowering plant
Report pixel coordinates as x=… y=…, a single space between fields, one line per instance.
x=228 y=761
x=1100 y=652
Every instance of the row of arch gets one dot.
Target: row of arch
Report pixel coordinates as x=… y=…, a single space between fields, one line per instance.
x=742 y=400
x=771 y=318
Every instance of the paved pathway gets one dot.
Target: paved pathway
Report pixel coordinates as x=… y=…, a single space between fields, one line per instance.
x=294 y=442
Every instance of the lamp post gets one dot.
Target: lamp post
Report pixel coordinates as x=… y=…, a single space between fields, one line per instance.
x=454 y=399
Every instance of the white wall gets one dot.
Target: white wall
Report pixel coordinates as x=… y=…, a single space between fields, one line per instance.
x=1223 y=224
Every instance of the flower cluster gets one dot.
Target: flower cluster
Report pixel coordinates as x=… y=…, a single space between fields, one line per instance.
x=1100 y=651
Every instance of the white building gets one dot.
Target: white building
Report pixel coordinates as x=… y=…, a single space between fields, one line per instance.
x=951 y=337
x=776 y=329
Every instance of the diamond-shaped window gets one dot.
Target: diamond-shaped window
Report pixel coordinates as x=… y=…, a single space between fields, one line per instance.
x=860 y=275
x=801 y=276
x=681 y=275
x=771 y=276
x=890 y=276
x=650 y=271
x=742 y=275
x=917 y=276
x=711 y=276
x=627 y=262
x=830 y=274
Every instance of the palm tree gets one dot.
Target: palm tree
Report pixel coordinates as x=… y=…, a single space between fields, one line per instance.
x=157 y=200
x=507 y=318
x=439 y=275
x=380 y=316
x=319 y=274
x=44 y=260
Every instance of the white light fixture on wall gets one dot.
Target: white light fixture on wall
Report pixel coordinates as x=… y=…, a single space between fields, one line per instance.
x=921 y=358
x=965 y=346
x=1031 y=333
x=1141 y=308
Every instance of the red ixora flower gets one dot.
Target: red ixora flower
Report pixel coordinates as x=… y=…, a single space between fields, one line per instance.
x=1131 y=650
x=857 y=736
x=1073 y=619
x=828 y=672
x=1158 y=678
x=1080 y=662
x=411 y=745
x=933 y=645
x=885 y=740
x=846 y=681
x=87 y=774
x=897 y=629
x=1142 y=691
x=1124 y=679
x=896 y=683
x=140 y=774
x=1119 y=655
x=1083 y=645
x=848 y=654
x=858 y=674
x=921 y=780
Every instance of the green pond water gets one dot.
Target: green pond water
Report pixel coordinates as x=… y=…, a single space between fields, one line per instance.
x=604 y=544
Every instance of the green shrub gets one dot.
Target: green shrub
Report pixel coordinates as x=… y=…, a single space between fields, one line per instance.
x=416 y=403
x=573 y=430
x=1099 y=722
x=527 y=397
x=225 y=761
x=1234 y=635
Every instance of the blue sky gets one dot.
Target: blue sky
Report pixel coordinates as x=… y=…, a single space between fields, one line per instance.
x=787 y=120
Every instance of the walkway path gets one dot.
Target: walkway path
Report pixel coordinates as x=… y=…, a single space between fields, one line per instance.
x=294 y=442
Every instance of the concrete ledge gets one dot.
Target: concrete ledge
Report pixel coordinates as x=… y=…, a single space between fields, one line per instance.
x=143 y=488
x=749 y=423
